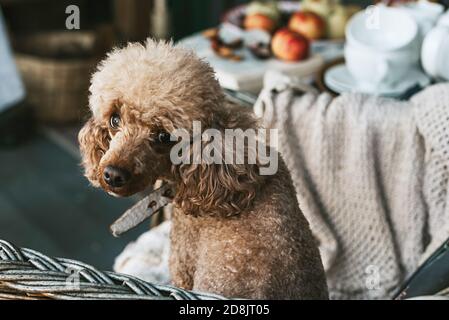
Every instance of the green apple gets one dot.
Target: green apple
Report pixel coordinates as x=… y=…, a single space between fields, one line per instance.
x=268 y=8
x=321 y=7
x=336 y=22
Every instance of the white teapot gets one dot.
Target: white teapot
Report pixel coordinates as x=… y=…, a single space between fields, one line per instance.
x=435 y=50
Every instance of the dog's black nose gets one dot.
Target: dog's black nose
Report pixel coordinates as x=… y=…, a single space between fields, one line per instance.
x=115 y=177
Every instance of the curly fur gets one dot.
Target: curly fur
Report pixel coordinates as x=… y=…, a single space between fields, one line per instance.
x=234 y=232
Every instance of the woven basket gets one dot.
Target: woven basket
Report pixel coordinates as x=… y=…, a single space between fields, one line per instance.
x=27 y=274
x=56 y=68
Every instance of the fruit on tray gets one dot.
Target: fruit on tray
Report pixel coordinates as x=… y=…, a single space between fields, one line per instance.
x=268 y=8
x=323 y=8
x=334 y=14
x=259 y=21
x=260 y=50
x=293 y=31
x=222 y=48
x=289 y=45
x=336 y=22
x=309 y=24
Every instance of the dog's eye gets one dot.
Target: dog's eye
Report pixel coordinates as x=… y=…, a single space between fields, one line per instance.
x=114 y=121
x=163 y=137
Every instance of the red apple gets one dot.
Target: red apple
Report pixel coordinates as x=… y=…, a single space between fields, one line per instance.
x=309 y=24
x=259 y=21
x=289 y=45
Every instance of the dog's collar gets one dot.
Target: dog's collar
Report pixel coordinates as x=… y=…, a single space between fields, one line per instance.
x=143 y=209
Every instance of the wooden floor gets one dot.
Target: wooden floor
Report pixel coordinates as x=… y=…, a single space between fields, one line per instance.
x=46 y=204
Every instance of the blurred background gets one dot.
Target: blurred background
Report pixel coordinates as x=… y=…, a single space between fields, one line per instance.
x=45 y=202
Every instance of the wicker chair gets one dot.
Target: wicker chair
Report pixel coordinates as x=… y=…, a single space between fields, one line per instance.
x=30 y=275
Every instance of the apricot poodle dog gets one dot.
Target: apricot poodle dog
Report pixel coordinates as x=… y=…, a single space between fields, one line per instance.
x=234 y=232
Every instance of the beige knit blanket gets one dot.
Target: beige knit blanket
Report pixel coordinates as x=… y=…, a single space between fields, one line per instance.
x=371 y=176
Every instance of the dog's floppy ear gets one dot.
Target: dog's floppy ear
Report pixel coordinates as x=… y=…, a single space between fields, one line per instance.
x=225 y=188
x=217 y=189
x=94 y=142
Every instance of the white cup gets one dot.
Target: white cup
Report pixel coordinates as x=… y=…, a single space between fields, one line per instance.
x=425 y=13
x=381 y=48
x=374 y=70
x=435 y=52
